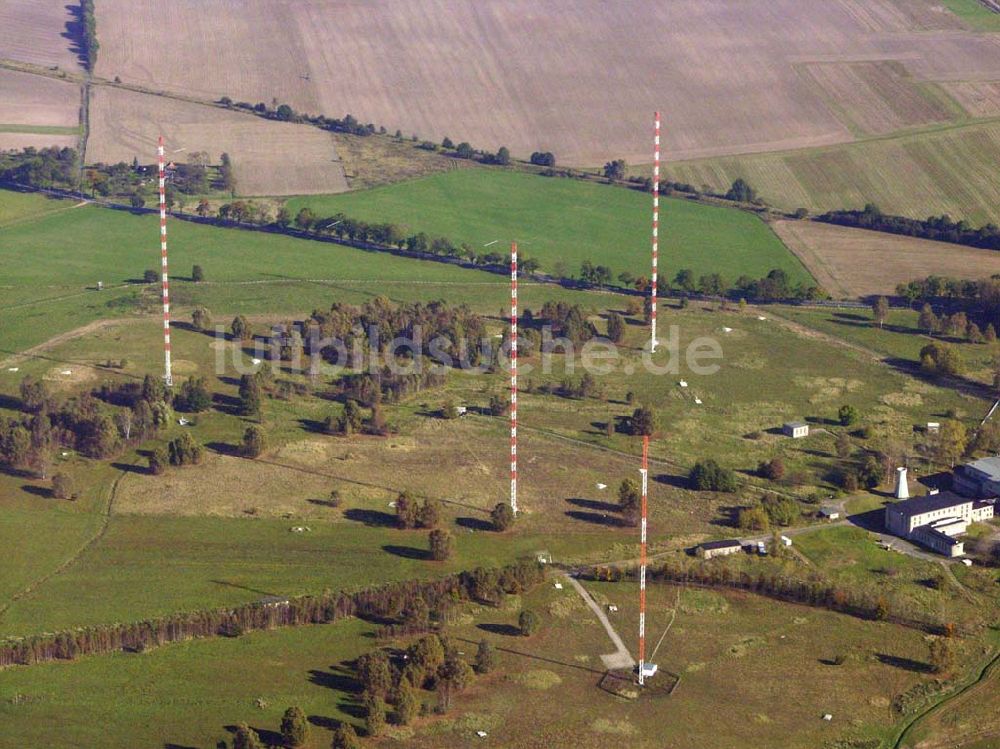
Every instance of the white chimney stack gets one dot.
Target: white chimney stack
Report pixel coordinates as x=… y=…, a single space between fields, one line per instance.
x=902 y=487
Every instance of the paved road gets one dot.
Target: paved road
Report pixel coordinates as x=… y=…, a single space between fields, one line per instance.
x=621 y=658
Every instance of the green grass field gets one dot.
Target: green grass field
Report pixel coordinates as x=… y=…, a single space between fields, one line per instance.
x=974 y=13
x=559 y=220
x=185 y=694
x=52 y=254
x=943 y=169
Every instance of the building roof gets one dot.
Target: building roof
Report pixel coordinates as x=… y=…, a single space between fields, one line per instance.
x=942 y=537
x=981 y=504
x=989 y=466
x=720 y=544
x=829 y=510
x=930 y=503
x=795 y=424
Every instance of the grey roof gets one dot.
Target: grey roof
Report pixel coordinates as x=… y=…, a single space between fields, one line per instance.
x=989 y=466
x=796 y=424
x=830 y=510
x=980 y=504
x=720 y=544
x=943 y=537
x=930 y=503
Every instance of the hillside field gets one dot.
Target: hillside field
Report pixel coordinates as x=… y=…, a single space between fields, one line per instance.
x=850 y=262
x=565 y=221
x=946 y=169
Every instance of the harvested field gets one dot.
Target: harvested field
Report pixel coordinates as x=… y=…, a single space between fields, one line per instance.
x=878 y=97
x=32 y=100
x=850 y=262
x=42 y=32
x=947 y=170
x=16 y=140
x=271 y=158
x=978 y=98
x=708 y=60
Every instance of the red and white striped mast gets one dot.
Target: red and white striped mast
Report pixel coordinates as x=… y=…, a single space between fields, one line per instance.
x=642 y=561
x=513 y=377
x=167 y=376
x=656 y=229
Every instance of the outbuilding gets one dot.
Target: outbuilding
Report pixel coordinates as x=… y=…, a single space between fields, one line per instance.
x=711 y=549
x=796 y=429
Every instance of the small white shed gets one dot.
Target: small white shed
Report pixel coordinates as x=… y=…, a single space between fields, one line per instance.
x=796 y=429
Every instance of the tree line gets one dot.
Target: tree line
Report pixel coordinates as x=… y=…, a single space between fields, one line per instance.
x=387 y=601
x=940 y=228
x=88 y=20
x=865 y=602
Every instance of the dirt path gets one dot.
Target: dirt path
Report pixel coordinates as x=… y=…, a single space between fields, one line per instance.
x=621 y=658
x=75 y=557
x=62 y=338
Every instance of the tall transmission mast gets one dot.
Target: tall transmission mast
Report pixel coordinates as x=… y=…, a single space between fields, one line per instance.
x=513 y=377
x=656 y=230
x=167 y=376
x=642 y=561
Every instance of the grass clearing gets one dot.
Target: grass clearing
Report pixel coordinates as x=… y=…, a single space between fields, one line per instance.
x=564 y=221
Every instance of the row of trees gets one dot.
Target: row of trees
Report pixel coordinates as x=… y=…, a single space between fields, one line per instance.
x=778 y=580
x=89 y=33
x=940 y=228
x=485 y=585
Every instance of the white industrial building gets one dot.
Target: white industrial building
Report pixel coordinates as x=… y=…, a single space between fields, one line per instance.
x=936 y=520
x=979 y=479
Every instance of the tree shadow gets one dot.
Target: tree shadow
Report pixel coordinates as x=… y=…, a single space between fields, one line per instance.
x=226 y=404
x=172 y=745
x=593 y=504
x=674 y=480
x=408 y=552
x=223 y=448
x=729 y=516
x=74 y=33
x=9 y=402
x=505 y=630
x=597 y=518
x=332 y=503
x=474 y=524
x=132 y=468
x=38 y=491
x=907 y=664
x=313 y=426
x=371 y=518
x=338 y=678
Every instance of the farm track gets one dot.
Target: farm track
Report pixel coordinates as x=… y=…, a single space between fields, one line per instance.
x=69 y=335
x=983 y=679
x=90 y=543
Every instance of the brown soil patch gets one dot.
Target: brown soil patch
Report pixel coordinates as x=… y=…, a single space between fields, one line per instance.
x=850 y=262
x=34 y=100
x=416 y=66
x=270 y=158
x=33 y=31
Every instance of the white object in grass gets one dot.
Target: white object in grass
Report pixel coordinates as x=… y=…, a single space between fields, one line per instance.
x=601 y=486
x=697 y=401
x=727 y=330
x=683 y=383
x=255 y=362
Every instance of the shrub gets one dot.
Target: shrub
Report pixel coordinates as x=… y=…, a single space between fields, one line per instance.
x=847 y=415
x=62 y=487
x=158 y=461
x=773 y=469
x=150 y=276
x=527 y=622
x=502 y=517
x=442 y=545
x=707 y=475
x=197 y=274
x=254 y=442
x=294 y=728
x=485 y=658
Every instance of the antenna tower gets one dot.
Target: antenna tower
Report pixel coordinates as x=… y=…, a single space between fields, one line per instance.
x=167 y=376
x=513 y=377
x=642 y=561
x=656 y=230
